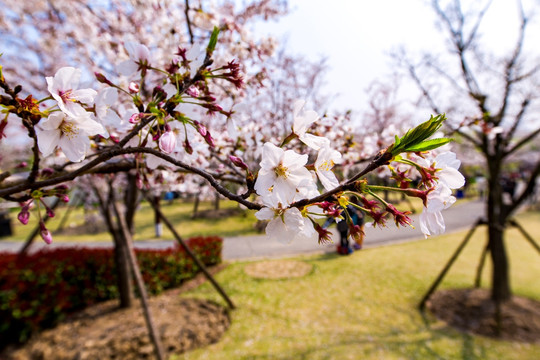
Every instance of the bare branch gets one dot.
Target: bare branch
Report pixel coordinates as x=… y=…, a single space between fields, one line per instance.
x=509 y=71
x=188 y=23
x=517 y=121
x=529 y=189
x=522 y=142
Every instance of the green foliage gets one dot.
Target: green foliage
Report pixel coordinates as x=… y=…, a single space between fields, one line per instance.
x=39 y=290
x=213 y=41
x=415 y=139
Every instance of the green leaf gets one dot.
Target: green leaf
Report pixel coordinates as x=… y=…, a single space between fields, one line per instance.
x=213 y=41
x=428 y=145
x=414 y=137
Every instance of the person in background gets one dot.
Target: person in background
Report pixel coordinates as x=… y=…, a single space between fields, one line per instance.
x=357 y=217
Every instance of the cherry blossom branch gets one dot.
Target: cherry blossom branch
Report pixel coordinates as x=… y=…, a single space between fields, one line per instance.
x=380 y=159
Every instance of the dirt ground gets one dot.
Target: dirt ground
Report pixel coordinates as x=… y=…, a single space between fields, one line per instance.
x=104 y=332
x=472 y=310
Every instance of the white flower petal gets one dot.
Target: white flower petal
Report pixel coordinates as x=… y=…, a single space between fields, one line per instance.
x=271 y=156
x=47 y=140
x=265 y=214
x=75 y=147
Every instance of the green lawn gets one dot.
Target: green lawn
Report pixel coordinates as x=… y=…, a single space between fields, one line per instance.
x=363 y=306
x=179 y=213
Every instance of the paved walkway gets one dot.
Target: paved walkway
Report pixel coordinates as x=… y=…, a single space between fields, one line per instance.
x=457 y=217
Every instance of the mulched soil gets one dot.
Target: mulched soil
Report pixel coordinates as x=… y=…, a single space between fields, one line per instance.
x=472 y=311
x=278 y=269
x=104 y=332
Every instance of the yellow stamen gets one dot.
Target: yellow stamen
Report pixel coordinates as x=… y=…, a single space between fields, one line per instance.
x=69 y=129
x=281 y=171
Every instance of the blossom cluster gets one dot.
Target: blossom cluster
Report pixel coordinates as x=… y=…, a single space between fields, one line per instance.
x=166 y=128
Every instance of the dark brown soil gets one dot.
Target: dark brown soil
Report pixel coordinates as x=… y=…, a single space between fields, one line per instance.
x=472 y=310
x=104 y=332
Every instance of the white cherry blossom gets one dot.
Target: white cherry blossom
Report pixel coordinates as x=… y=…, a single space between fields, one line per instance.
x=282 y=173
x=196 y=58
x=431 y=219
x=431 y=223
x=138 y=55
x=103 y=102
x=286 y=224
x=63 y=88
x=326 y=159
x=69 y=133
x=302 y=122
x=447 y=166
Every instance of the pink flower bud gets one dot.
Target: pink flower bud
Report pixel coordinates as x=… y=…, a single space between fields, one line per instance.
x=24 y=216
x=193 y=91
x=136 y=118
x=45 y=234
x=200 y=128
x=187 y=147
x=167 y=142
x=209 y=140
x=3 y=125
x=238 y=162
x=46 y=172
x=22 y=165
x=50 y=212
x=102 y=79
x=133 y=87
x=65 y=198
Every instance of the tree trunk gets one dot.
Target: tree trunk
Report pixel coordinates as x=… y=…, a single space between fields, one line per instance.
x=216 y=201
x=123 y=271
x=196 y=207
x=500 y=281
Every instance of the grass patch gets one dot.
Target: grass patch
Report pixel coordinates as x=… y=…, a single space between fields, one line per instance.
x=179 y=213
x=363 y=306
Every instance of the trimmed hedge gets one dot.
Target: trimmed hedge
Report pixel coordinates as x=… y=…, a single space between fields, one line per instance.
x=39 y=290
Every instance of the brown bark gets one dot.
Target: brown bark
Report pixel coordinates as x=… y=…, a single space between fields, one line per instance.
x=496 y=214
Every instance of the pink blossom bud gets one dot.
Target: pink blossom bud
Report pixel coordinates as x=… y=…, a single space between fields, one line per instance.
x=3 y=125
x=45 y=233
x=50 y=212
x=187 y=147
x=192 y=91
x=139 y=182
x=238 y=162
x=24 y=216
x=209 y=140
x=46 y=172
x=133 y=87
x=65 y=198
x=102 y=79
x=135 y=118
x=167 y=142
x=22 y=165
x=200 y=128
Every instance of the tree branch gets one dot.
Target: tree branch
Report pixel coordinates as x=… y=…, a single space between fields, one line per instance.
x=522 y=142
x=529 y=189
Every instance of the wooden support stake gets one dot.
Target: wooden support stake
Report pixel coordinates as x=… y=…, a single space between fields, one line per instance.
x=156 y=340
x=437 y=281
x=481 y=263
x=525 y=234
x=192 y=255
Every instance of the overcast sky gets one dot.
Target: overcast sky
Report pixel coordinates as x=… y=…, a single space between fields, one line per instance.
x=356 y=36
